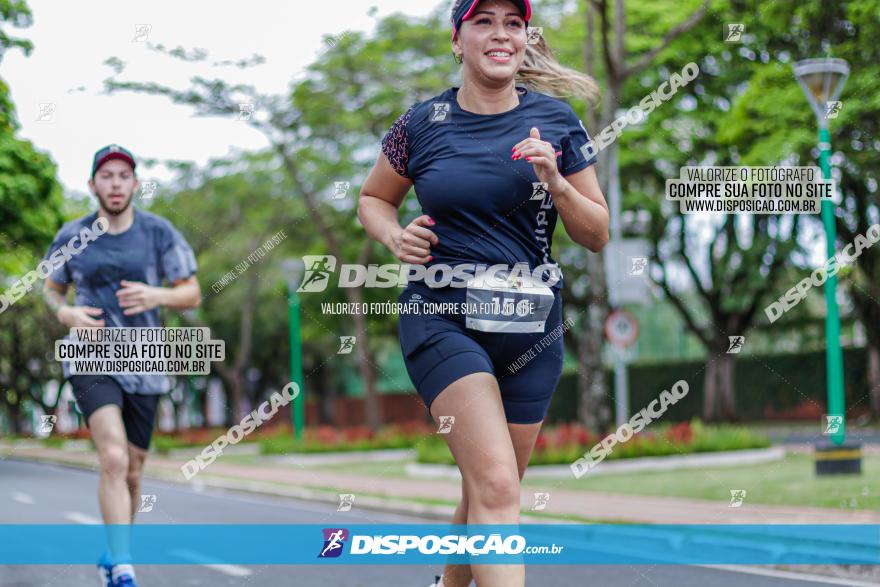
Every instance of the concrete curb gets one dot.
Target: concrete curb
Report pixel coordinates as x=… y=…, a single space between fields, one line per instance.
x=246 y=449
x=400 y=506
x=353 y=456
x=241 y=449
x=698 y=460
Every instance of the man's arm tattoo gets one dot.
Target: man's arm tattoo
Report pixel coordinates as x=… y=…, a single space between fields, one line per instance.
x=54 y=299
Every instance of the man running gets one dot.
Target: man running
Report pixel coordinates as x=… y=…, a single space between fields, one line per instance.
x=118 y=280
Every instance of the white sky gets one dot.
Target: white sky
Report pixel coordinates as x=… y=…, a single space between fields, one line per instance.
x=72 y=40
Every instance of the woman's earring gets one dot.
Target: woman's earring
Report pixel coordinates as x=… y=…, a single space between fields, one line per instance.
x=457 y=57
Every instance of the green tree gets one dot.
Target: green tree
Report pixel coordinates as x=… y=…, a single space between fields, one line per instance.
x=771 y=118
x=30 y=213
x=30 y=198
x=733 y=263
x=227 y=212
x=27 y=336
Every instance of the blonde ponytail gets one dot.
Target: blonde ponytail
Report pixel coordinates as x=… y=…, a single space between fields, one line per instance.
x=542 y=72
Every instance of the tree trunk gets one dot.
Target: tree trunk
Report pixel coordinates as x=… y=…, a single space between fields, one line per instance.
x=236 y=386
x=365 y=364
x=874 y=378
x=593 y=410
x=326 y=397
x=719 y=397
x=246 y=332
x=14 y=411
x=726 y=366
x=710 y=392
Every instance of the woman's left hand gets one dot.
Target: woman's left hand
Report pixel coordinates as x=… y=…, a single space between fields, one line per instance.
x=542 y=157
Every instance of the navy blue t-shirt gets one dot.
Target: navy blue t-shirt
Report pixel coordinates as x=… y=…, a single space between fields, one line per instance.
x=487 y=208
x=151 y=251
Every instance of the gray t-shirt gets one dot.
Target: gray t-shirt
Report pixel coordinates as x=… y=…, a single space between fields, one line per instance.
x=150 y=251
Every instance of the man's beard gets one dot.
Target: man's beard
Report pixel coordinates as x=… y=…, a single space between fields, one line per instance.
x=106 y=206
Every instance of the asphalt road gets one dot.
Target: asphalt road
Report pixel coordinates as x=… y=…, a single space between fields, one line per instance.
x=32 y=493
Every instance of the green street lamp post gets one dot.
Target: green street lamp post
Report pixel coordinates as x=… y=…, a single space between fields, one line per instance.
x=294 y=269
x=822 y=81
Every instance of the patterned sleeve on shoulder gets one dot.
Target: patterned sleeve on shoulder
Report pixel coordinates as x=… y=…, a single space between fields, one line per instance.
x=395 y=144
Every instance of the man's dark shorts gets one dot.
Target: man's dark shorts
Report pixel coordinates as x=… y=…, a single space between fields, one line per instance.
x=138 y=409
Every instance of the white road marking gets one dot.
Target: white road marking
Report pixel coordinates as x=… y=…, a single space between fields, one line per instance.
x=232 y=570
x=824 y=579
x=204 y=561
x=25 y=498
x=81 y=518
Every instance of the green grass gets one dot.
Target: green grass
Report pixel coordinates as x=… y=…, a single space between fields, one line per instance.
x=763 y=426
x=396 y=469
x=287 y=445
x=52 y=442
x=163 y=444
x=790 y=482
x=282 y=442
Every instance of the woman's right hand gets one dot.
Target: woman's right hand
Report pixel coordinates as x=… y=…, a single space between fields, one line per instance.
x=413 y=244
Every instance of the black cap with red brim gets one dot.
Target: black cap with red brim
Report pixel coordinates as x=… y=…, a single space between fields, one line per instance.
x=111 y=152
x=466 y=9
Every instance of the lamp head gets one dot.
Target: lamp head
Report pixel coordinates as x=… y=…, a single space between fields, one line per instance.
x=822 y=81
x=294 y=270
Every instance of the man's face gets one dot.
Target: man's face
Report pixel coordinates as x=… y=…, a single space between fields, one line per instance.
x=114 y=185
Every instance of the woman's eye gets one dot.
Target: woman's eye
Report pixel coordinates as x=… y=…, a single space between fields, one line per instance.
x=482 y=20
x=515 y=24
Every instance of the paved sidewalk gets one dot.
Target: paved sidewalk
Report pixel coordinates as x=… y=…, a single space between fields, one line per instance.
x=396 y=494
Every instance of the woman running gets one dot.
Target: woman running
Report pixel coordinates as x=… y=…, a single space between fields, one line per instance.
x=493 y=164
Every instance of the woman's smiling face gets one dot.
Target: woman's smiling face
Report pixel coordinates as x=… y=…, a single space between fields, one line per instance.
x=492 y=41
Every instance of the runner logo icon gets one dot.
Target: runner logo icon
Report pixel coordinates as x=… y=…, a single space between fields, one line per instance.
x=440 y=112
x=319 y=267
x=334 y=541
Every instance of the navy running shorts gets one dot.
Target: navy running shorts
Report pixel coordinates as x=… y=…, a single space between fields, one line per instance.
x=138 y=409
x=439 y=348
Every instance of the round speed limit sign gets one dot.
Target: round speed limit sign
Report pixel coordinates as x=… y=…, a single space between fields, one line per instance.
x=621 y=328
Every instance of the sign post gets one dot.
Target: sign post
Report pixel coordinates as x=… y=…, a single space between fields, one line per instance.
x=621 y=330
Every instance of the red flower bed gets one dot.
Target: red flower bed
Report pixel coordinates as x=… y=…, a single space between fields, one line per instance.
x=564 y=436
x=568 y=436
x=681 y=433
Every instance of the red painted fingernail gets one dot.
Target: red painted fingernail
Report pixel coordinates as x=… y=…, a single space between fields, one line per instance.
x=431 y=258
x=528 y=158
x=558 y=153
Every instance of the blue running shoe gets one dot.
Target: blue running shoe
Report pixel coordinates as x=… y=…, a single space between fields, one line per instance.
x=123 y=576
x=104 y=569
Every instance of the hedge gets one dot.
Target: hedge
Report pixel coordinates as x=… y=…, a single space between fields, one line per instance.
x=778 y=382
